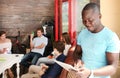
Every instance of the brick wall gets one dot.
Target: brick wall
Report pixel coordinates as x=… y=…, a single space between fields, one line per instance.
x=24 y=15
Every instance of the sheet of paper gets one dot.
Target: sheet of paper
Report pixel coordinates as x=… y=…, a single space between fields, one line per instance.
x=68 y=67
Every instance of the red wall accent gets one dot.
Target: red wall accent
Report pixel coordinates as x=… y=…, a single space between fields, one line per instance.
x=64 y=0
x=72 y=20
x=56 y=20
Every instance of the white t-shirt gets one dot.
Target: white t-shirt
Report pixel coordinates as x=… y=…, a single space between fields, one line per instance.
x=38 y=41
x=67 y=47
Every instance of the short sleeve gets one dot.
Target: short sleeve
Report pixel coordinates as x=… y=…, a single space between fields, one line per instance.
x=113 y=44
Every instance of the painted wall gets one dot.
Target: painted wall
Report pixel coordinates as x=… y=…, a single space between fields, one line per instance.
x=110 y=10
x=111 y=18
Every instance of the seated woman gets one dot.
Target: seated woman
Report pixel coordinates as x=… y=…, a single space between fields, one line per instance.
x=75 y=50
x=54 y=69
x=5 y=48
x=49 y=60
x=5 y=43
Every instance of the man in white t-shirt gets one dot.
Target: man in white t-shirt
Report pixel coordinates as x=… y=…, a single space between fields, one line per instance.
x=37 y=45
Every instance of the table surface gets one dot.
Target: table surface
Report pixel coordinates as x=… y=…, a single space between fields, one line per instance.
x=8 y=60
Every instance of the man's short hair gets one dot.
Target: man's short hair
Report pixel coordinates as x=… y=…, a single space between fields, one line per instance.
x=59 y=45
x=91 y=6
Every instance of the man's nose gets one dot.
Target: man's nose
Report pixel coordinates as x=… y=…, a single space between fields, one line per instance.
x=87 y=24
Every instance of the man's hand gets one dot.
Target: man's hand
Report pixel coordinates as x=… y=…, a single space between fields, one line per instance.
x=43 y=69
x=83 y=73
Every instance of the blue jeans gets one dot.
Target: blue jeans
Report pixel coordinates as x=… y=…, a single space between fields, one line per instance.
x=30 y=59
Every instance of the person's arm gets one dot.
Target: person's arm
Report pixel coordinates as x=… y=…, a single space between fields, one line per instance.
x=31 y=41
x=4 y=50
x=110 y=69
x=7 y=47
x=40 y=46
x=112 y=57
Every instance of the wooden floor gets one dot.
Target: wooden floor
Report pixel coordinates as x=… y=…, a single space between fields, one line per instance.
x=117 y=75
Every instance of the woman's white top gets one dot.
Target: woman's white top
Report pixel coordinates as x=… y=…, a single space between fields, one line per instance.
x=7 y=45
x=67 y=47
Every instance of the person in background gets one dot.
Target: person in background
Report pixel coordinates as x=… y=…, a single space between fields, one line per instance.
x=98 y=44
x=67 y=41
x=5 y=48
x=54 y=69
x=5 y=43
x=49 y=59
x=37 y=46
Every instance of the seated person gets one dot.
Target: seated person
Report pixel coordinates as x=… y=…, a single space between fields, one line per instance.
x=5 y=48
x=49 y=60
x=37 y=45
x=67 y=41
x=74 y=50
x=54 y=69
x=5 y=43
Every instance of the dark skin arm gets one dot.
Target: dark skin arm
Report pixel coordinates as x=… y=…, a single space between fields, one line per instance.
x=110 y=69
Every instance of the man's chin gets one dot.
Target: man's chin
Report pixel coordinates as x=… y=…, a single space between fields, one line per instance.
x=91 y=30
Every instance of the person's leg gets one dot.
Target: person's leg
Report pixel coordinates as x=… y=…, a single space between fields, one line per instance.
x=28 y=75
x=38 y=69
x=26 y=59
x=35 y=58
x=34 y=69
x=45 y=60
x=10 y=73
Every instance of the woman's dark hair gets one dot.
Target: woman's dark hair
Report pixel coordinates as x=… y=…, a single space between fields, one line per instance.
x=2 y=32
x=77 y=54
x=59 y=45
x=66 y=36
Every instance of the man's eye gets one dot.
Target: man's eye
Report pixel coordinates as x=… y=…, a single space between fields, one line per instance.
x=91 y=20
